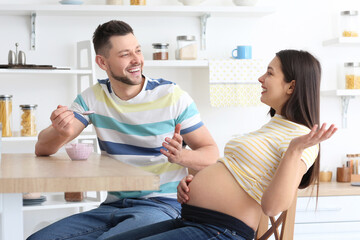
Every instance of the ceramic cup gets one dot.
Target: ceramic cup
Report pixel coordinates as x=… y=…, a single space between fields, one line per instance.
x=242 y=52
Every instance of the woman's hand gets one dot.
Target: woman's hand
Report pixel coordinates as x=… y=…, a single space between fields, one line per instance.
x=183 y=189
x=315 y=136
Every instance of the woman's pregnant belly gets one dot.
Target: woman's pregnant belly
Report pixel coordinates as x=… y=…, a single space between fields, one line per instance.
x=215 y=188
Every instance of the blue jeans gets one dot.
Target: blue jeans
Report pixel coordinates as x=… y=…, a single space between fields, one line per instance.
x=111 y=219
x=178 y=229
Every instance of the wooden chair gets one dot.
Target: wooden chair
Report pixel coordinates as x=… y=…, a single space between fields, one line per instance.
x=286 y=219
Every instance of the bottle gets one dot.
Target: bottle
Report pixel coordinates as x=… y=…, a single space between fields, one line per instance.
x=28 y=120
x=186 y=48
x=6 y=114
x=352 y=75
x=349 y=24
x=160 y=51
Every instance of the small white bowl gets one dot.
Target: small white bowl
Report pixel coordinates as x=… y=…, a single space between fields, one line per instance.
x=79 y=151
x=244 y=2
x=191 y=2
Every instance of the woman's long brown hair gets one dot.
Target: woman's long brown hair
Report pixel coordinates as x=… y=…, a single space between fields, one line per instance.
x=303 y=106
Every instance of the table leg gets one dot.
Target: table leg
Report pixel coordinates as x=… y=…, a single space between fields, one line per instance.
x=11 y=216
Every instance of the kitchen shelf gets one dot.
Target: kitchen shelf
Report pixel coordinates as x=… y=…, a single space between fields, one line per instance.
x=53 y=204
x=45 y=71
x=341 y=92
x=343 y=41
x=345 y=96
x=111 y=10
x=177 y=63
x=203 y=12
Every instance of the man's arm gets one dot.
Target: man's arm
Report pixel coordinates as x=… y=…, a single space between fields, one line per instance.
x=204 y=150
x=64 y=128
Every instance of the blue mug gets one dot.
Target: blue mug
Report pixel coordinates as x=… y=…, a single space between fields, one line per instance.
x=242 y=52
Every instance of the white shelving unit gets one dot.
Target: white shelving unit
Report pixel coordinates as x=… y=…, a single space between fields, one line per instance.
x=344 y=94
x=176 y=63
x=343 y=41
x=203 y=12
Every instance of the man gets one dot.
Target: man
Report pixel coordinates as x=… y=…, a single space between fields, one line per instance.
x=139 y=121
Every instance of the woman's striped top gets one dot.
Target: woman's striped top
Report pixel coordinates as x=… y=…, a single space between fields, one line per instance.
x=254 y=157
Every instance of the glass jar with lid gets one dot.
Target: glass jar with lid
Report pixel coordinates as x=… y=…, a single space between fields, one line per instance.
x=138 y=2
x=6 y=114
x=160 y=51
x=186 y=48
x=28 y=120
x=349 y=23
x=352 y=75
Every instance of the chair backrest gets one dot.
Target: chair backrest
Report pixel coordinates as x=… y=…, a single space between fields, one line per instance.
x=286 y=219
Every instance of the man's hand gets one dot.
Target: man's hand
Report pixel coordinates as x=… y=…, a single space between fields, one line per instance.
x=173 y=146
x=61 y=120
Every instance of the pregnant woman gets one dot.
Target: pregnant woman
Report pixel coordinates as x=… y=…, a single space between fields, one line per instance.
x=260 y=171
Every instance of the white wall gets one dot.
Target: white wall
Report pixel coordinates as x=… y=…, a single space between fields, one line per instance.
x=299 y=24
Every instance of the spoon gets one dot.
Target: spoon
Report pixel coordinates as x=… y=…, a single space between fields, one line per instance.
x=88 y=112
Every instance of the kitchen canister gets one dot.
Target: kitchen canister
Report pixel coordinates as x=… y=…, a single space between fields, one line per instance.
x=6 y=114
x=160 y=51
x=28 y=120
x=349 y=23
x=137 y=2
x=352 y=75
x=186 y=48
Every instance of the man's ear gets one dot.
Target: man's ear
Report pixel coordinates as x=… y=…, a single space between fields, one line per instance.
x=291 y=87
x=100 y=61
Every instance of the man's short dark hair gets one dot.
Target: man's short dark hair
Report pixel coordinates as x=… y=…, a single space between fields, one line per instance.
x=103 y=32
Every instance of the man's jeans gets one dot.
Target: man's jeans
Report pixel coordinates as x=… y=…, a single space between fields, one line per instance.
x=178 y=229
x=111 y=219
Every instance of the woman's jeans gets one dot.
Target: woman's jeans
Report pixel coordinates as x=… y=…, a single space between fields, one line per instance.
x=111 y=219
x=178 y=229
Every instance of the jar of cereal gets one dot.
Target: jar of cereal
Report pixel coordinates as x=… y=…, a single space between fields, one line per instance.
x=352 y=75
x=349 y=23
x=28 y=120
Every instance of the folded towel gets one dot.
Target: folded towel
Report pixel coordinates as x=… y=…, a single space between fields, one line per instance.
x=235 y=82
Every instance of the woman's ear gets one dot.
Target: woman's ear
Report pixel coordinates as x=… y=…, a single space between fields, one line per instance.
x=100 y=60
x=291 y=87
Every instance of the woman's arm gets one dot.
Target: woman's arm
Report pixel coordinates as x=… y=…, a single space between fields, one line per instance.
x=282 y=190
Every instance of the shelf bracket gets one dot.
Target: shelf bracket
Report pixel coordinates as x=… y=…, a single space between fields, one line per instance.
x=345 y=104
x=33 y=31
x=203 y=22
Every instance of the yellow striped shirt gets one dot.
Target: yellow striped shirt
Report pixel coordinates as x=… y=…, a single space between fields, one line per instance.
x=254 y=157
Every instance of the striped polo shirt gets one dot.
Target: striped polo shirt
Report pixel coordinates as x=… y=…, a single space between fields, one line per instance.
x=133 y=131
x=253 y=158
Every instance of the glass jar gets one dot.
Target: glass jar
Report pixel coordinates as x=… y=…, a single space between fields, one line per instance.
x=352 y=75
x=6 y=114
x=138 y=2
x=352 y=162
x=28 y=120
x=160 y=51
x=349 y=24
x=186 y=48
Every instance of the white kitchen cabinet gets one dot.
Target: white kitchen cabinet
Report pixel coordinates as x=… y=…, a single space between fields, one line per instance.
x=336 y=217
